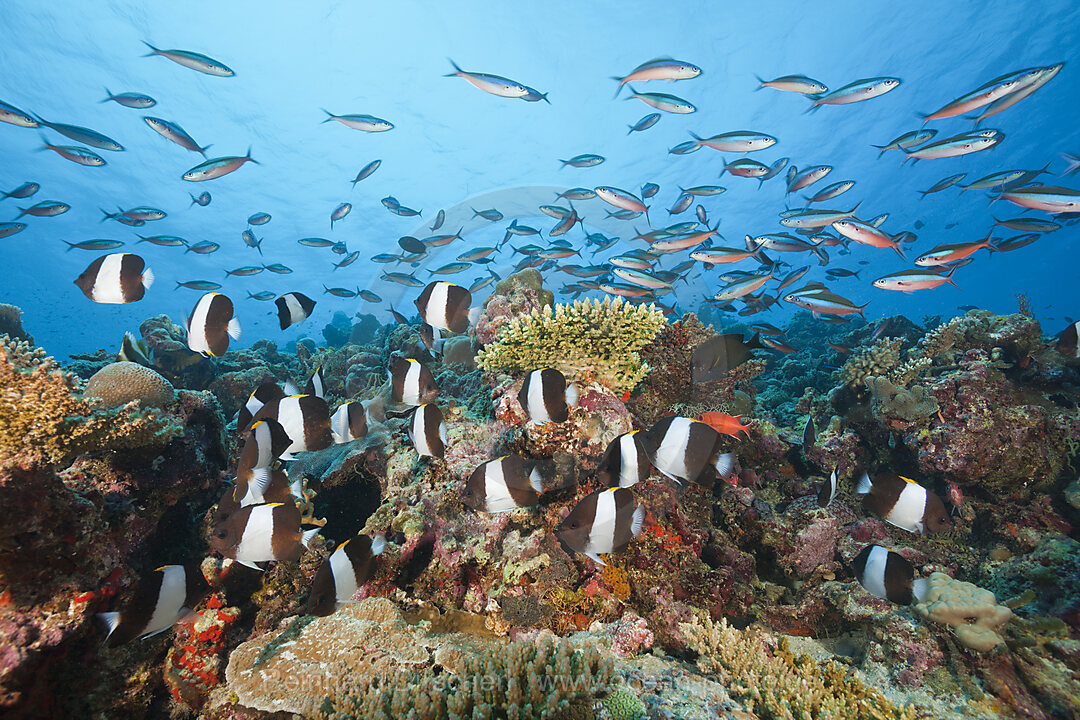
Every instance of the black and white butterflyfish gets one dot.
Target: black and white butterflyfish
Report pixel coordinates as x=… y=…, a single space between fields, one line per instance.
x=306 y=420
x=545 y=396
x=427 y=431
x=503 y=484
x=343 y=573
x=624 y=463
x=211 y=324
x=445 y=306
x=349 y=422
x=115 y=279
x=315 y=385
x=293 y=308
x=886 y=574
x=160 y=600
x=266 y=441
x=136 y=351
x=266 y=392
x=262 y=533
x=686 y=449
x=827 y=492
x=411 y=382
x=603 y=522
x=902 y=502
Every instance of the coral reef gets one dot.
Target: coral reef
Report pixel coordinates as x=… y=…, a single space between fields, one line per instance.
x=123 y=382
x=588 y=340
x=11 y=323
x=972 y=613
x=515 y=296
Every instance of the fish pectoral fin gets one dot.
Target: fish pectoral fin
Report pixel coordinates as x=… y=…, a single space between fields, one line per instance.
x=593 y=556
x=250 y=564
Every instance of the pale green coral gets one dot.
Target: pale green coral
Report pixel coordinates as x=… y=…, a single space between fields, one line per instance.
x=588 y=340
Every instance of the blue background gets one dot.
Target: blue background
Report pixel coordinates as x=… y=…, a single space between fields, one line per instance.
x=454 y=146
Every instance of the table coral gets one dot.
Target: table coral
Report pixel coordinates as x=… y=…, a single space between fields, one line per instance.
x=972 y=613
x=588 y=340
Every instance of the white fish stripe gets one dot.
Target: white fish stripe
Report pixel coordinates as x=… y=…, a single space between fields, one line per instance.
x=410 y=387
x=436 y=310
x=296 y=311
x=497 y=496
x=107 y=288
x=671 y=455
x=256 y=541
x=197 y=325
x=628 y=453
x=291 y=417
x=873 y=578
x=170 y=599
x=602 y=534
x=344 y=575
x=537 y=410
x=908 y=511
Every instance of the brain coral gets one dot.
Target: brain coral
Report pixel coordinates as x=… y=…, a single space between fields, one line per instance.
x=588 y=340
x=121 y=382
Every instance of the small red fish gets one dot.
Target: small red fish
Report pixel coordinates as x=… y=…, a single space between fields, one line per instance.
x=724 y=423
x=842 y=349
x=626 y=396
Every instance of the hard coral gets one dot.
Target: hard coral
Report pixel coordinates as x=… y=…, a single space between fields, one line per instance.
x=972 y=613
x=588 y=340
x=122 y=382
x=879 y=359
x=755 y=667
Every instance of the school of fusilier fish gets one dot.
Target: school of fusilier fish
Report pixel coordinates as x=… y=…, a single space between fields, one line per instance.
x=258 y=522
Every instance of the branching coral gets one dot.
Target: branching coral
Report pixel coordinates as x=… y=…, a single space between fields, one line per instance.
x=778 y=684
x=41 y=419
x=588 y=340
x=879 y=359
x=972 y=613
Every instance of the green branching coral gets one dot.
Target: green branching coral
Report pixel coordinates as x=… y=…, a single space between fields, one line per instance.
x=780 y=685
x=588 y=340
x=526 y=680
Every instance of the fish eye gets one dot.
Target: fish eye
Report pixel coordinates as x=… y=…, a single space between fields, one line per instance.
x=221 y=533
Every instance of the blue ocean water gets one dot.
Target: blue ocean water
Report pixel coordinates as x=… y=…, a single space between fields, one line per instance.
x=454 y=147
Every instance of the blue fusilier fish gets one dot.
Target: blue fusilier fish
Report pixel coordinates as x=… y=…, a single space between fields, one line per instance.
x=83 y=135
x=663 y=68
x=366 y=171
x=364 y=123
x=176 y=134
x=202 y=199
x=603 y=522
x=339 y=213
x=77 y=155
x=259 y=218
x=160 y=600
x=192 y=60
x=503 y=484
x=23 y=191
x=644 y=123
x=130 y=99
x=212 y=169
x=343 y=573
x=904 y=503
x=491 y=84
x=854 y=92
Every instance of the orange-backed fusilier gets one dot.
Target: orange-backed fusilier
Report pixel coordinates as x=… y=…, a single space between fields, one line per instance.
x=192 y=61
x=364 y=123
x=686 y=449
x=45 y=208
x=159 y=601
x=411 y=382
x=349 y=422
x=293 y=308
x=644 y=123
x=887 y=575
x=624 y=463
x=604 y=521
x=306 y=420
x=907 y=140
x=866 y=234
x=916 y=279
x=663 y=101
x=955 y=146
x=343 y=573
x=176 y=134
x=545 y=396
x=739 y=141
x=266 y=392
x=218 y=167
x=904 y=503
x=491 y=84
x=945 y=254
x=97 y=245
x=23 y=191
x=427 y=431
x=445 y=306
x=83 y=135
x=745 y=167
x=15 y=116
x=663 y=68
x=76 y=154
x=261 y=533
x=115 y=279
x=202 y=199
x=583 y=161
x=136 y=100
x=211 y=324
x=712 y=359
x=503 y=484
x=1048 y=198
x=793 y=83
x=855 y=92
